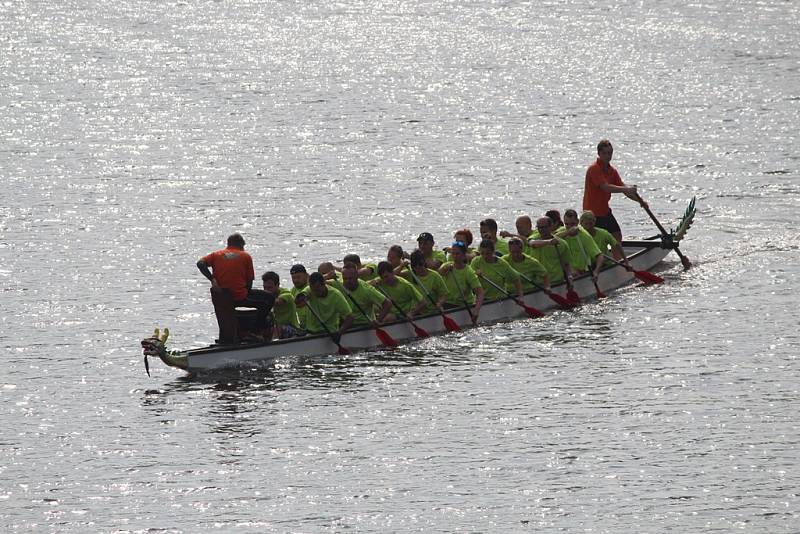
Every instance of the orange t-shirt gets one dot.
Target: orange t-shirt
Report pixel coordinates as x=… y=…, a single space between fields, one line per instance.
x=232 y=269
x=594 y=198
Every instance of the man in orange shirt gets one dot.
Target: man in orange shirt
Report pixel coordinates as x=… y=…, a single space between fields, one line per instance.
x=233 y=275
x=601 y=181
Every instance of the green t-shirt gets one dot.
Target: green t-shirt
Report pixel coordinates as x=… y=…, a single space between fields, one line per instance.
x=529 y=268
x=466 y=280
x=583 y=249
x=301 y=312
x=498 y=272
x=548 y=257
x=403 y=294
x=501 y=246
x=367 y=297
x=433 y=284
x=286 y=312
x=332 y=309
x=604 y=241
x=374 y=273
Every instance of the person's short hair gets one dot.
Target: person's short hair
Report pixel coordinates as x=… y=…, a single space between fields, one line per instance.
x=515 y=241
x=417 y=258
x=486 y=243
x=588 y=215
x=384 y=267
x=297 y=268
x=603 y=144
x=352 y=258
x=397 y=249
x=554 y=216
x=571 y=213
x=349 y=265
x=236 y=240
x=468 y=233
x=425 y=236
x=491 y=224
x=316 y=278
x=271 y=275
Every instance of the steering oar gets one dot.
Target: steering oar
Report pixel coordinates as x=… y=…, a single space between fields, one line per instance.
x=664 y=235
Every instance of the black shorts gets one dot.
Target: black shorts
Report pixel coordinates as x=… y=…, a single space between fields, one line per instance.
x=608 y=222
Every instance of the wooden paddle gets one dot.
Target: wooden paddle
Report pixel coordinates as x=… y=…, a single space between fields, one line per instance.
x=449 y=324
x=664 y=235
x=572 y=296
x=644 y=276
x=421 y=332
x=463 y=298
x=342 y=350
x=382 y=334
x=555 y=297
x=530 y=310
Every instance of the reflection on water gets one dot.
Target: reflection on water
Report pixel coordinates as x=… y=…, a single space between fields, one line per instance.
x=136 y=136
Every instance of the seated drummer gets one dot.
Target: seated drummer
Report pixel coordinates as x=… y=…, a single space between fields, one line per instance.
x=529 y=268
x=231 y=270
x=463 y=286
x=402 y=294
x=324 y=304
x=363 y=298
x=489 y=266
x=433 y=258
x=284 y=312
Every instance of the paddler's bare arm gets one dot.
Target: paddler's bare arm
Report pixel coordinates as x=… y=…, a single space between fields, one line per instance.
x=385 y=310
x=479 y=294
x=203 y=266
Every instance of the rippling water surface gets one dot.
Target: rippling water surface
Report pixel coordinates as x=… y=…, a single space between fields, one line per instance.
x=134 y=136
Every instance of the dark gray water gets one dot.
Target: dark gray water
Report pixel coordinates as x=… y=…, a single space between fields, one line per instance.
x=134 y=136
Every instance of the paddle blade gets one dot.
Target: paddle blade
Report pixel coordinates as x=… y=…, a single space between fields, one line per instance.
x=686 y=263
x=385 y=338
x=648 y=278
x=146 y=365
x=343 y=351
x=532 y=312
x=558 y=299
x=573 y=297
x=420 y=331
x=450 y=324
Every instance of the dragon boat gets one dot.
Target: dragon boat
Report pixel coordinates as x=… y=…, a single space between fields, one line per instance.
x=643 y=255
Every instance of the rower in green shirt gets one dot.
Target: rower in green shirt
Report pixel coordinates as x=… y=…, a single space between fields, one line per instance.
x=284 y=312
x=366 y=271
x=529 y=268
x=362 y=297
x=524 y=227
x=433 y=258
x=551 y=251
x=299 y=283
x=399 y=291
x=585 y=254
x=463 y=286
x=489 y=231
x=330 y=305
x=603 y=238
x=488 y=265
x=432 y=283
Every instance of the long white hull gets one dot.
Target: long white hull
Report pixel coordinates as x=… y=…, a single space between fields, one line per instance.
x=643 y=255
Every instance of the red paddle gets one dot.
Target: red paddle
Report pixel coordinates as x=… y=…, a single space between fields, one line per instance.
x=421 y=332
x=645 y=276
x=530 y=310
x=449 y=323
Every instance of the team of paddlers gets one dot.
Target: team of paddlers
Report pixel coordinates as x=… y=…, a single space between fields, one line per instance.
x=335 y=298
